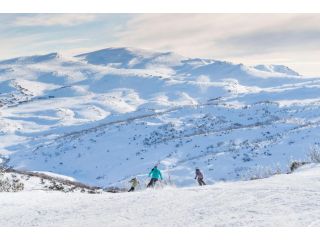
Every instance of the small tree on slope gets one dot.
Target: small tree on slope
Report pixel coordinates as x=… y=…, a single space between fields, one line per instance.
x=9 y=185
x=314 y=154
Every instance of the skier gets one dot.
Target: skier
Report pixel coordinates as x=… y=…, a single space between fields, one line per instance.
x=155 y=175
x=199 y=177
x=134 y=183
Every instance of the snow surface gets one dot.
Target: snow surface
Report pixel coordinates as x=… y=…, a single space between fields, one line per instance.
x=281 y=200
x=106 y=116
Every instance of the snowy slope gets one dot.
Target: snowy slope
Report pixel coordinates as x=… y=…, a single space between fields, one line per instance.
x=282 y=200
x=105 y=116
x=45 y=181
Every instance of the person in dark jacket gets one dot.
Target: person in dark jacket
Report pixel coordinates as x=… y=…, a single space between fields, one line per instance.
x=155 y=175
x=199 y=177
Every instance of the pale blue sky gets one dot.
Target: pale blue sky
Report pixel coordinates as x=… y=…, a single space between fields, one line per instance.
x=289 y=39
x=27 y=34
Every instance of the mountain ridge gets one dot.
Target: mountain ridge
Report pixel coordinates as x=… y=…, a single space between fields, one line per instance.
x=231 y=120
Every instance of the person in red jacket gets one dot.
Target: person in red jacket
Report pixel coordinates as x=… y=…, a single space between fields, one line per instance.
x=199 y=177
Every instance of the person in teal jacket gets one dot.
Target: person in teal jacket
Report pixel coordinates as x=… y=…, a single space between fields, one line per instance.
x=155 y=175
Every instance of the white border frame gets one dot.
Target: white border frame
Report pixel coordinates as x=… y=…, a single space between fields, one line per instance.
x=160 y=6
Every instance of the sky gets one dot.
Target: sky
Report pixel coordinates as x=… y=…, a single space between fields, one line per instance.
x=288 y=39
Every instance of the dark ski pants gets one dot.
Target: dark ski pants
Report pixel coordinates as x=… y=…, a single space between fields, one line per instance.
x=131 y=189
x=152 y=182
x=201 y=182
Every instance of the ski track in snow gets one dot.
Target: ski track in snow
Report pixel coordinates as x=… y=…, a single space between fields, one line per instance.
x=282 y=200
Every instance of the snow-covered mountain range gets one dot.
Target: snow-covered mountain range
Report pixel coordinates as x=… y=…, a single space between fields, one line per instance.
x=106 y=116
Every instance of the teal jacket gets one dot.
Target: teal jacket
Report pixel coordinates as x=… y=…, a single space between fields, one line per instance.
x=155 y=173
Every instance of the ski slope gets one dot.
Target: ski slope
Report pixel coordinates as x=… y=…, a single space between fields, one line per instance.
x=106 y=116
x=281 y=200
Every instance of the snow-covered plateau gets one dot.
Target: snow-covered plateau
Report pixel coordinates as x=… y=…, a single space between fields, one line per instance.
x=103 y=117
x=106 y=116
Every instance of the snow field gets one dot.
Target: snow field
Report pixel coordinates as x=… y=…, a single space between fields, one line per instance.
x=281 y=200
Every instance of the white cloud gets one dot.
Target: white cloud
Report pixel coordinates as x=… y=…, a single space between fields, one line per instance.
x=258 y=38
x=204 y=34
x=54 y=19
x=37 y=44
x=289 y=39
x=12 y=48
